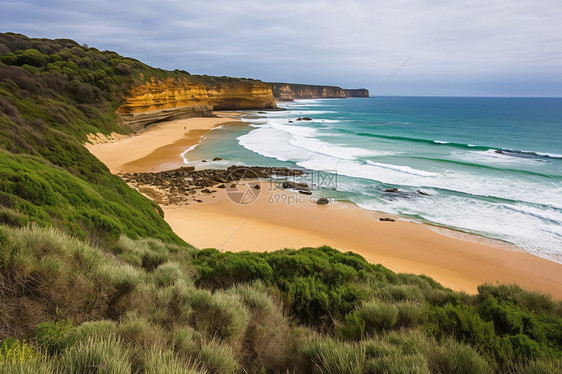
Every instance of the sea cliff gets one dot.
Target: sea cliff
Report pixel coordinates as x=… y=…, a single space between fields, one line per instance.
x=290 y=91
x=158 y=101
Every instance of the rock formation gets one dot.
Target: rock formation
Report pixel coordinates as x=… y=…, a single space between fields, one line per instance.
x=289 y=91
x=158 y=101
x=358 y=92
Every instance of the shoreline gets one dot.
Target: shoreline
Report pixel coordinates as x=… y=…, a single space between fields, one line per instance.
x=159 y=147
x=401 y=246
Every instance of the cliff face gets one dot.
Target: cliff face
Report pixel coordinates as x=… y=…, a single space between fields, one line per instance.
x=174 y=99
x=289 y=91
x=358 y=92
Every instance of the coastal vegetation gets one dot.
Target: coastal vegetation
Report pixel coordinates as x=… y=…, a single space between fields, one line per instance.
x=93 y=280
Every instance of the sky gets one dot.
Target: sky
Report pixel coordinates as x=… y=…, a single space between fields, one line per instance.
x=391 y=47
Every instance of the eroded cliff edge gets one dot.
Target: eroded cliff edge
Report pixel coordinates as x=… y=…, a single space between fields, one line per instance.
x=291 y=91
x=158 y=101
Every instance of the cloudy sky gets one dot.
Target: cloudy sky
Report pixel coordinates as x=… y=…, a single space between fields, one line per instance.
x=464 y=47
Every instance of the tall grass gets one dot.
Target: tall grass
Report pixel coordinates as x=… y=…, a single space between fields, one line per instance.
x=378 y=316
x=95 y=355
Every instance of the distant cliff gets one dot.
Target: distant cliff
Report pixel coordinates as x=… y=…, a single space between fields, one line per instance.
x=158 y=101
x=358 y=92
x=290 y=91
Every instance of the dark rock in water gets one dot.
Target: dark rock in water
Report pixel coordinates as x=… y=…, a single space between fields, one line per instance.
x=385 y=219
x=305 y=192
x=217 y=159
x=295 y=186
x=323 y=201
x=221 y=186
x=299 y=119
x=306 y=119
x=206 y=190
x=499 y=151
x=203 y=160
x=391 y=190
x=262 y=112
x=423 y=193
x=257 y=186
x=290 y=121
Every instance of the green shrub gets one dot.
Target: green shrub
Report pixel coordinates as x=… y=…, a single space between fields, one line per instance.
x=453 y=357
x=12 y=351
x=218 y=357
x=139 y=332
x=32 y=57
x=50 y=335
x=89 y=331
x=353 y=327
x=324 y=355
x=220 y=315
x=186 y=341
x=410 y=314
x=378 y=316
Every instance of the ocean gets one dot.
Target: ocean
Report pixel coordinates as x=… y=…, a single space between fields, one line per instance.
x=487 y=166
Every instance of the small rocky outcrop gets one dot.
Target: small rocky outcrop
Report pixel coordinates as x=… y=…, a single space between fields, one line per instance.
x=386 y=219
x=295 y=186
x=323 y=201
x=178 y=186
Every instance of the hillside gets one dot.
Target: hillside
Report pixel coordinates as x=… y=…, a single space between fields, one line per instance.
x=93 y=280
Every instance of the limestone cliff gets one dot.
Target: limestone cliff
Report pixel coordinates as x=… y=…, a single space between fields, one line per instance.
x=158 y=101
x=357 y=92
x=290 y=91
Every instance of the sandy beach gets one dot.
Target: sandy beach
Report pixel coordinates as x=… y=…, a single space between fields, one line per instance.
x=155 y=149
x=282 y=219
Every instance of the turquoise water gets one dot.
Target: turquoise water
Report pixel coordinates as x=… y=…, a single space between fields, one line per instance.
x=448 y=148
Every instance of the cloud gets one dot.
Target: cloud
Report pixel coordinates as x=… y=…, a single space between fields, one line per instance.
x=466 y=46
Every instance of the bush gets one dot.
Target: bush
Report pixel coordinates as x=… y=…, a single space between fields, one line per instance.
x=12 y=351
x=410 y=314
x=218 y=357
x=324 y=355
x=378 y=316
x=50 y=335
x=32 y=57
x=453 y=358
x=352 y=328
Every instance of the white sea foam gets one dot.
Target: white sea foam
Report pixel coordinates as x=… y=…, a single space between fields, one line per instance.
x=453 y=180
x=185 y=160
x=490 y=157
x=403 y=169
x=511 y=223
